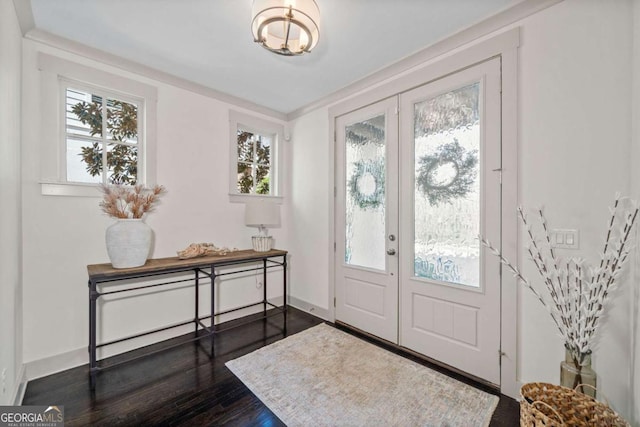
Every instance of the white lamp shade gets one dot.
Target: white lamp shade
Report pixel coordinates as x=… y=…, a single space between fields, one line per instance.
x=287 y=27
x=261 y=213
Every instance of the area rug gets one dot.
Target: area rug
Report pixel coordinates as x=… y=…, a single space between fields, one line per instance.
x=326 y=377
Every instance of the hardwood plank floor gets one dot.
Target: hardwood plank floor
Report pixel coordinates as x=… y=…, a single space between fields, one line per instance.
x=184 y=386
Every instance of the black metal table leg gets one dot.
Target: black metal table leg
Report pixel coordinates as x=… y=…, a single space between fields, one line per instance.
x=197 y=308
x=93 y=364
x=213 y=313
x=264 y=286
x=284 y=290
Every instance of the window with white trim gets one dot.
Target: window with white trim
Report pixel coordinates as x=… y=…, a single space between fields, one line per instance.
x=255 y=156
x=103 y=135
x=97 y=127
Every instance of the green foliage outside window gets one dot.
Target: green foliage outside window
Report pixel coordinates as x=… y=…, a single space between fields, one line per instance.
x=122 y=126
x=254 y=164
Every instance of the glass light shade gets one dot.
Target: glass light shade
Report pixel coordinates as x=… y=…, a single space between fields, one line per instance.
x=286 y=27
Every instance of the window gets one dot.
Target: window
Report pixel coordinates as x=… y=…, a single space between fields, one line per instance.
x=97 y=127
x=254 y=162
x=101 y=136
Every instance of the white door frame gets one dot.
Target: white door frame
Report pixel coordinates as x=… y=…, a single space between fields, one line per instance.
x=505 y=46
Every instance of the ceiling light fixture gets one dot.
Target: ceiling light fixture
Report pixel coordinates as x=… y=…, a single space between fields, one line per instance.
x=286 y=27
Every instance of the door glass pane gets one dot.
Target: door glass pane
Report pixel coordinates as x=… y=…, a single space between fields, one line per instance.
x=447 y=187
x=365 y=193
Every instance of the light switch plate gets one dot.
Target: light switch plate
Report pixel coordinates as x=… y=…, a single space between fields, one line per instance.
x=565 y=238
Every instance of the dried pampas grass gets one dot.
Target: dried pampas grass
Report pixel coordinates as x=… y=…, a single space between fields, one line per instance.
x=126 y=202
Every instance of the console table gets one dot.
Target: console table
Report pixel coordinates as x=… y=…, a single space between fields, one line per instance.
x=198 y=268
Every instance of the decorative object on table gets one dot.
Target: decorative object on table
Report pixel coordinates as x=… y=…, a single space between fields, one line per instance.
x=578 y=291
x=129 y=239
x=262 y=213
x=366 y=185
x=195 y=250
x=549 y=405
x=286 y=27
x=448 y=173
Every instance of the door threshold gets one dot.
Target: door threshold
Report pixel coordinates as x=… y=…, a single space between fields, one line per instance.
x=436 y=365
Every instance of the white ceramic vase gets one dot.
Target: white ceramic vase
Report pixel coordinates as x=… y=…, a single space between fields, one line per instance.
x=128 y=243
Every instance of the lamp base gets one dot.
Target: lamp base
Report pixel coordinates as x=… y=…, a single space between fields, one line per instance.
x=261 y=243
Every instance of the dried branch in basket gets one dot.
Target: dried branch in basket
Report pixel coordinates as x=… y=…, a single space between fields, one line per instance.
x=126 y=202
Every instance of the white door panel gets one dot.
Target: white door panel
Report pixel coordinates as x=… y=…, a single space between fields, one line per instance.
x=450 y=186
x=366 y=215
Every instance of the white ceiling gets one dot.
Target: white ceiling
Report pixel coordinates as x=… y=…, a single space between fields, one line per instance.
x=209 y=41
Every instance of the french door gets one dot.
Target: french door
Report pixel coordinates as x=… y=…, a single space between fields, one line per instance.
x=414 y=190
x=450 y=186
x=367 y=223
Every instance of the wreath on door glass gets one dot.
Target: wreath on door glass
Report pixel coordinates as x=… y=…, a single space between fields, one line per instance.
x=363 y=193
x=455 y=164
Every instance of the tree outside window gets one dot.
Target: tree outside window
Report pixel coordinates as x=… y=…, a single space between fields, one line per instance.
x=254 y=162
x=96 y=156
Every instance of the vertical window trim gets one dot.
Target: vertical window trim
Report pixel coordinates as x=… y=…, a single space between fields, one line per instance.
x=259 y=126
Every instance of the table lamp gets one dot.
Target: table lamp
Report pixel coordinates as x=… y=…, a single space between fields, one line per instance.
x=261 y=213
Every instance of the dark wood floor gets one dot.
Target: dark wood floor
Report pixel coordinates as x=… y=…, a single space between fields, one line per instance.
x=183 y=386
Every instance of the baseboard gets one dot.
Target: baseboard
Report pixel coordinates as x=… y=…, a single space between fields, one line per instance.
x=518 y=397
x=20 y=387
x=320 y=312
x=56 y=363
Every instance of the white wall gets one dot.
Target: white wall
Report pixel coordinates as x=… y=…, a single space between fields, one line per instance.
x=64 y=234
x=309 y=213
x=575 y=124
x=10 y=205
x=635 y=191
x=574 y=142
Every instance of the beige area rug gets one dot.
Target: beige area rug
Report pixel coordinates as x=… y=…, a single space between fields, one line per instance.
x=326 y=377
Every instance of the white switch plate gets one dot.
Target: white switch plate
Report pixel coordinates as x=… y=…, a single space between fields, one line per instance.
x=565 y=239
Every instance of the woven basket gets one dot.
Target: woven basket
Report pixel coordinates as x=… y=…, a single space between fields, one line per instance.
x=549 y=405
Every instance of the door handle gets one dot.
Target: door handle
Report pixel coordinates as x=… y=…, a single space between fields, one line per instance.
x=391 y=251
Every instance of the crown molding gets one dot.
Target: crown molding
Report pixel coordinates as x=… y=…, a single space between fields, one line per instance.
x=25 y=15
x=471 y=33
x=146 y=71
x=468 y=35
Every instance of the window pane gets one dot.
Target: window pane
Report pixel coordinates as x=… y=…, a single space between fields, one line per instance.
x=263 y=176
x=83 y=113
x=447 y=187
x=254 y=147
x=84 y=161
x=122 y=121
x=365 y=193
x=123 y=164
x=263 y=149
x=245 y=146
x=245 y=178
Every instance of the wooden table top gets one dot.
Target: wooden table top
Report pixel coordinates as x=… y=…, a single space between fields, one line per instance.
x=157 y=265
